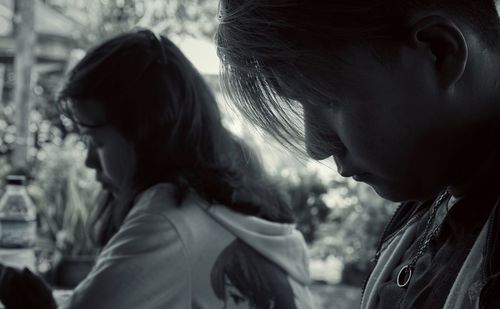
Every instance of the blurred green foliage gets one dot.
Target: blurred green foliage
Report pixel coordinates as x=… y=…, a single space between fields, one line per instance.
x=101 y=19
x=338 y=217
x=355 y=223
x=305 y=190
x=58 y=178
x=65 y=192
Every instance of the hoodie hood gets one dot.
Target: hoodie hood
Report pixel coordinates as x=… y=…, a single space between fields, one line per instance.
x=281 y=243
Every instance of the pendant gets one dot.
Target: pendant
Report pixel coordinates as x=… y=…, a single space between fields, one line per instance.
x=404 y=276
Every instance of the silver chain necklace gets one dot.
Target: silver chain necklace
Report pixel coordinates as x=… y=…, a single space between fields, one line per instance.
x=406 y=272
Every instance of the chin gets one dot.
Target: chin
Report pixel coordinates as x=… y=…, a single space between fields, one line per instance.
x=392 y=196
x=395 y=194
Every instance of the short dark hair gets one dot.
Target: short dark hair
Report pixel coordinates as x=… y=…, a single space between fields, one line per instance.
x=261 y=282
x=271 y=49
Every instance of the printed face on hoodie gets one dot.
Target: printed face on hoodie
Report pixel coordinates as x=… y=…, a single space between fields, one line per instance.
x=234 y=299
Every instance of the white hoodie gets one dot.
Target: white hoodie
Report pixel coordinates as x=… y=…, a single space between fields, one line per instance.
x=164 y=253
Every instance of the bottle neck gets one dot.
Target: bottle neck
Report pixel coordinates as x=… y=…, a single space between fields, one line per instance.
x=16 y=188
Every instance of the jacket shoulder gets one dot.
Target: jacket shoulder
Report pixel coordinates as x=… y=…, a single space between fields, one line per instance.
x=403 y=214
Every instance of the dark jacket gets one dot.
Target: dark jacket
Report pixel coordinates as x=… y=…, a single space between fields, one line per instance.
x=487 y=250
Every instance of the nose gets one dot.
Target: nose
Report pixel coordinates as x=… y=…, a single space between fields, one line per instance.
x=92 y=160
x=321 y=140
x=343 y=167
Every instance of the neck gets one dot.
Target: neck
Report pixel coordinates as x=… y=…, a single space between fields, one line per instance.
x=482 y=176
x=479 y=161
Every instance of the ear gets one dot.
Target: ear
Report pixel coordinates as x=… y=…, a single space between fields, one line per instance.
x=445 y=42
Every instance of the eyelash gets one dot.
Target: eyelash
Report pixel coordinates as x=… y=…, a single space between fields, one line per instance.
x=237 y=299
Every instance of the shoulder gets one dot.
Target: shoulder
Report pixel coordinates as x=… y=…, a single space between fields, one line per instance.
x=161 y=199
x=147 y=220
x=145 y=232
x=155 y=199
x=198 y=231
x=146 y=251
x=405 y=212
x=159 y=202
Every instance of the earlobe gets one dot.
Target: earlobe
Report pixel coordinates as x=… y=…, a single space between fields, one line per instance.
x=446 y=43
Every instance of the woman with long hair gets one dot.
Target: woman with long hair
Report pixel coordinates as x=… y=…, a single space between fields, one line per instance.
x=192 y=220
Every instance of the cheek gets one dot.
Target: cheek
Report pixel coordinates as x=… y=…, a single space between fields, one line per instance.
x=117 y=163
x=359 y=130
x=109 y=163
x=392 y=143
x=375 y=136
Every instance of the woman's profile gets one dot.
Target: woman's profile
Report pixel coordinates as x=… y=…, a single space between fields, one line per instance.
x=193 y=221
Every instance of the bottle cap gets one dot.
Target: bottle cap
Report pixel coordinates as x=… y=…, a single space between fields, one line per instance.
x=18 y=180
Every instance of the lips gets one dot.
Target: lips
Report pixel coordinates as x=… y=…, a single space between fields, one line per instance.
x=346 y=169
x=358 y=177
x=105 y=184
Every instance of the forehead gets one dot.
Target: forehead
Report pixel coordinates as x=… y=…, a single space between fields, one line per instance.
x=325 y=76
x=88 y=112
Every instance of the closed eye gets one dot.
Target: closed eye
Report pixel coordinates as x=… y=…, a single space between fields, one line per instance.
x=237 y=299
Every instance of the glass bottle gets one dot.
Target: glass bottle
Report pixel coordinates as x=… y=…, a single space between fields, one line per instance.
x=17 y=215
